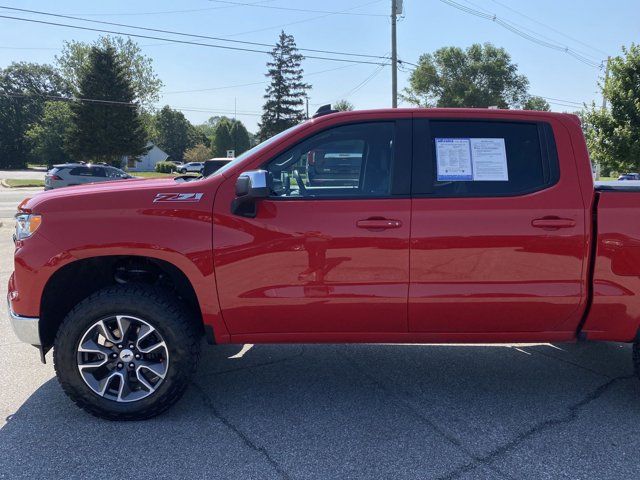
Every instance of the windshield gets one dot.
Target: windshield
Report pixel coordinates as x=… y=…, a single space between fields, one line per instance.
x=268 y=142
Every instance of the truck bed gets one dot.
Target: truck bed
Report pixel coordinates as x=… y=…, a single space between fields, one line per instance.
x=615 y=308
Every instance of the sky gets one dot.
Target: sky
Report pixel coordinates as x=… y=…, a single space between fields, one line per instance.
x=590 y=28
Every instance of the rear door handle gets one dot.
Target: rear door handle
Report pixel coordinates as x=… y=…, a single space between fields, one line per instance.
x=378 y=223
x=553 y=223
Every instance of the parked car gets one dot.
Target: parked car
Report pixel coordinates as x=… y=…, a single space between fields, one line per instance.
x=214 y=164
x=336 y=164
x=629 y=176
x=68 y=174
x=197 y=167
x=469 y=225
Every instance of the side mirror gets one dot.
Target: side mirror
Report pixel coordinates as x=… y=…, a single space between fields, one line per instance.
x=250 y=186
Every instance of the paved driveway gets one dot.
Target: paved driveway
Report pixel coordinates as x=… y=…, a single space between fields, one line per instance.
x=338 y=411
x=28 y=174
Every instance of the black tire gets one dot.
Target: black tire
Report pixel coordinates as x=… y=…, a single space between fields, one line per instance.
x=636 y=357
x=183 y=171
x=157 y=307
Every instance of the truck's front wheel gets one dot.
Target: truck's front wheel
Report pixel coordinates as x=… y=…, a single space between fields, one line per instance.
x=126 y=352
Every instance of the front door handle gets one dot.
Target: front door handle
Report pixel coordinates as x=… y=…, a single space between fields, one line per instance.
x=553 y=223
x=378 y=223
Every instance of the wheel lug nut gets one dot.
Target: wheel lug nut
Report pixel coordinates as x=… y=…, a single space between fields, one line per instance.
x=131 y=346
x=120 y=365
x=137 y=356
x=120 y=347
x=114 y=355
x=132 y=365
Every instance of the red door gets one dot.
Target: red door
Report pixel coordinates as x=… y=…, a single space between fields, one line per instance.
x=327 y=257
x=500 y=246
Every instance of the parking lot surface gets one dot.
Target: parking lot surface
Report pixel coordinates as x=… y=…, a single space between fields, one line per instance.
x=339 y=411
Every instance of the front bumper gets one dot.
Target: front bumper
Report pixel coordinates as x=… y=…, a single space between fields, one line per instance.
x=27 y=329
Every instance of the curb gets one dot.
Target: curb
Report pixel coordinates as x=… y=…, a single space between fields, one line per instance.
x=4 y=184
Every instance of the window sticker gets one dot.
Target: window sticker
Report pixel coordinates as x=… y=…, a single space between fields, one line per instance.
x=454 y=159
x=471 y=159
x=489 y=160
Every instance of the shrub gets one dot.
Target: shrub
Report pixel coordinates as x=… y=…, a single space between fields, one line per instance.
x=165 y=167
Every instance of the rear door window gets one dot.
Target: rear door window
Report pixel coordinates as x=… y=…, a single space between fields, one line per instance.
x=483 y=158
x=81 y=172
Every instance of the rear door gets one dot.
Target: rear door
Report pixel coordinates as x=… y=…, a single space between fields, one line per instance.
x=498 y=240
x=328 y=261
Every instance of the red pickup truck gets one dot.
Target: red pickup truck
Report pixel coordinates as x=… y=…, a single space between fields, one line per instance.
x=463 y=226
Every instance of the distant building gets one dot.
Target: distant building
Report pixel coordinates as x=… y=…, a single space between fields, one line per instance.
x=147 y=162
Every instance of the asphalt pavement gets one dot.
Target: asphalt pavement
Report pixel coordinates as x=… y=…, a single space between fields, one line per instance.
x=339 y=411
x=10 y=198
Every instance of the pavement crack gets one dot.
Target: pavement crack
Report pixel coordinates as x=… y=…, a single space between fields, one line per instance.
x=572 y=414
x=534 y=351
x=452 y=439
x=209 y=405
x=255 y=365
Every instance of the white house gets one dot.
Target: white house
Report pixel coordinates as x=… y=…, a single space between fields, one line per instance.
x=147 y=162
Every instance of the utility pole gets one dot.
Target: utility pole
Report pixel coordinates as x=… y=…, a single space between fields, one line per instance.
x=606 y=78
x=307 y=106
x=394 y=54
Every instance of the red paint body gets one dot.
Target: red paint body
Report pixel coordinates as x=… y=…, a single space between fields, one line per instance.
x=319 y=270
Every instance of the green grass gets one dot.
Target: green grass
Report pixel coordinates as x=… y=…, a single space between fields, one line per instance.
x=23 y=182
x=608 y=179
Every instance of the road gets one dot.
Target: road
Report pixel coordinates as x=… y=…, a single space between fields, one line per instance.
x=28 y=174
x=10 y=198
x=340 y=411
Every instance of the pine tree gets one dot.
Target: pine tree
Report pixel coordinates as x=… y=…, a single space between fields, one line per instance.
x=222 y=140
x=284 y=106
x=106 y=126
x=240 y=138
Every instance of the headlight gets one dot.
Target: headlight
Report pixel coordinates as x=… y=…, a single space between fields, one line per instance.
x=26 y=225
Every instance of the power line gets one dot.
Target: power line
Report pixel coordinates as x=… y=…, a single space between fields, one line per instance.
x=560 y=32
x=186 y=42
x=183 y=34
x=292 y=9
x=512 y=28
x=191 y=10
x=121 y=104
x=252 y=83
x=305 y=20
x=534 y=32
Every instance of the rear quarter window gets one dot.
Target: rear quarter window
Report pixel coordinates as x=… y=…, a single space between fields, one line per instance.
x=521 y=158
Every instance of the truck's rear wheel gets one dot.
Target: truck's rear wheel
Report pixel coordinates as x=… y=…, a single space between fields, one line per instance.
x=126 y=352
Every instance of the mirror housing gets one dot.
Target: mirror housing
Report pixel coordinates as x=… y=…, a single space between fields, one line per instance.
x=250 y=186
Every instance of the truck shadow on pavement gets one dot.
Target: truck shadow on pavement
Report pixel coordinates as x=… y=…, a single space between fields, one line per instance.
x=356 y=411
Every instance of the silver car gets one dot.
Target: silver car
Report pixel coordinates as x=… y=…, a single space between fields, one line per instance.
x=69 y=174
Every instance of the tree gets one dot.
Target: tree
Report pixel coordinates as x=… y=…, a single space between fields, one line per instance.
x=139 y=68
x=222 y=140
x=240 y=141
x=23 y=91
x=108 y=126
x=47 y=136
x=536 y=103
x=285 y=95
x=174 y=133
x=613 y=135
x=343 y=106
x=480 y=76
x=199 y=153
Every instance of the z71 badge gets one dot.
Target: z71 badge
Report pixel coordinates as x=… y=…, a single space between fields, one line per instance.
x=177 y=197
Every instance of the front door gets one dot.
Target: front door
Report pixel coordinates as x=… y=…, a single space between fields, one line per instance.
x=328 y=252
x=498 y=239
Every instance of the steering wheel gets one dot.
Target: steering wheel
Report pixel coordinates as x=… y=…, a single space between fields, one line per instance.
x=301 y=187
